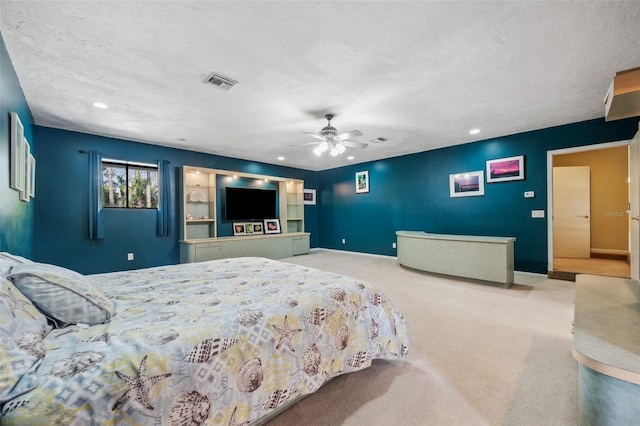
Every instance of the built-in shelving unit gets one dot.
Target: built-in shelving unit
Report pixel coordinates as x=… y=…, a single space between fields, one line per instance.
x=199 y=203
x=294 y=205
x=199 y=236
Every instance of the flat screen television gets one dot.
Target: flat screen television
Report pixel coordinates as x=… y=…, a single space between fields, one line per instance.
x=249 y=204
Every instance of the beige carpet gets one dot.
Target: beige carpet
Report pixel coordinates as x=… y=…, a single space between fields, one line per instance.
x=480 y=355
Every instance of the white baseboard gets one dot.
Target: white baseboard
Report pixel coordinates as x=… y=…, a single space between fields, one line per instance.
x=354 y=252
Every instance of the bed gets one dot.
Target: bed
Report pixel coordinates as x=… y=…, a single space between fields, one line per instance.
x=227 y=342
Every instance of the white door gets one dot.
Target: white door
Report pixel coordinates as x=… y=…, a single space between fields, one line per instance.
x=571 y=212
x=634 y=205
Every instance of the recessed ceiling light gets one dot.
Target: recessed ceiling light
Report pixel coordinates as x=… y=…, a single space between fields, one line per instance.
x=100 y=105
x=474 y=131
x=281 y=158
x=350 y=157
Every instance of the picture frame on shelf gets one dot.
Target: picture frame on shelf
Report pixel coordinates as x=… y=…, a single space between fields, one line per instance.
x=258 y=227
x=362 y=182
x=17 y=179
x=272 y=226
x=309 y=197
x=466 y=184
x=239 y=229
x=505 y=169
x=248 y=228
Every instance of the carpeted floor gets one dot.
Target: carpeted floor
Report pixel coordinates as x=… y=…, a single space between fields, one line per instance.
x=479 y=355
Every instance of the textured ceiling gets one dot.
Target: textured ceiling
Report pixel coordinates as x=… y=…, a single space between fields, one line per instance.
x=420 y=74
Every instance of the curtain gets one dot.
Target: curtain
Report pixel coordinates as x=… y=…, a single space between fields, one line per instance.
x=96 y=225
x=164 y=202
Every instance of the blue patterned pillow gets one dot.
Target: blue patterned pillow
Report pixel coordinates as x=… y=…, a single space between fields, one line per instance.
x=22 y=328
x=65 y=296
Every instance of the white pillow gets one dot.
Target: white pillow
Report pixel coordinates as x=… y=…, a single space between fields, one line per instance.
x=65 y=296
x=8 y=261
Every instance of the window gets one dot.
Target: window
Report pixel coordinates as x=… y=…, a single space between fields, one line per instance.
x=129 y=185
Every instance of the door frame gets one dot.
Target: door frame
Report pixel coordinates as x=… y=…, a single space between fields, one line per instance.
x=563 y=151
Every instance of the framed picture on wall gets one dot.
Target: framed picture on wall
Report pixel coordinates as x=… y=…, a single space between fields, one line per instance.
x=17 y=179
x=271 y=226
x=466 y=184
x=32 y=176
x=505 y=169
x=309 y=196
x=24 y=192
x=362 y=182
x=258 y=228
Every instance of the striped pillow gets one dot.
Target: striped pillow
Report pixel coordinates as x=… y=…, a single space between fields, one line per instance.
x=65 y=296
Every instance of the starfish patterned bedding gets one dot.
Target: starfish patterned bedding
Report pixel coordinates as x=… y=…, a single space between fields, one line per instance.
x=219 y=342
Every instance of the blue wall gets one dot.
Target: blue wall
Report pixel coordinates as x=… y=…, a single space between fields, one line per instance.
x=16 y=217
x=61 y=225
x=412 y=193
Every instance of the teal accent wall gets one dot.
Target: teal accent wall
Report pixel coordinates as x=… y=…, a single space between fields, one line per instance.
x=411 y=192
x=61 y=229
x=16 y=217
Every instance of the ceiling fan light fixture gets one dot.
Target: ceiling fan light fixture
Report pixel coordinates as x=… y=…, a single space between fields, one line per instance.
x=334 y=152
x=340 y=148
x=324 y=146
x=317 y=151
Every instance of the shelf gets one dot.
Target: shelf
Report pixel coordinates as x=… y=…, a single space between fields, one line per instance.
x=199 y=220
x=294 y=218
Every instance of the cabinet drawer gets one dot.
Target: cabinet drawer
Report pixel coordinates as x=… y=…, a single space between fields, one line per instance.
x=208 y=252
x=300 y=245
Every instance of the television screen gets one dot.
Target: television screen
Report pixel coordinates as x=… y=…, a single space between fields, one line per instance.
x=249 y=204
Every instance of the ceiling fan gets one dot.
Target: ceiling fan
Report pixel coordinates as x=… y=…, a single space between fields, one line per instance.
x=330 y=140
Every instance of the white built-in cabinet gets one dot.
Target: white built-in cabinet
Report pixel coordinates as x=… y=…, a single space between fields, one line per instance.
x=199 y=239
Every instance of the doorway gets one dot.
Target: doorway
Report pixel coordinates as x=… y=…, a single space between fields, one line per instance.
x=592 y=239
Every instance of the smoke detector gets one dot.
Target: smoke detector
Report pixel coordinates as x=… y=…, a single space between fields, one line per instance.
x=220 y=81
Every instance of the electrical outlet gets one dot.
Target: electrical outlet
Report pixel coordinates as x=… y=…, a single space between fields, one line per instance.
x=129 y=256
x=344 y=241
x=393 y=245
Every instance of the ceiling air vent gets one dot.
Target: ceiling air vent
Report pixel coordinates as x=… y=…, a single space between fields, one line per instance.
x=378 y=140
x=221 y=81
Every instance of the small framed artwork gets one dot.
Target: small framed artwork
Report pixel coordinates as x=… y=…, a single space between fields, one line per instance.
x=504 y=169
x=248 y=228
x=32 y=176
x=17 y=153
x=467 y=184
x=309 y=196
x=239 y=229
x=362 y=182
x=24 y=192
x=271 y=226
x=258 y=228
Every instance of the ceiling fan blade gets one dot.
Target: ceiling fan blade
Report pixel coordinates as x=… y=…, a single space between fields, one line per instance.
x=352 y=144
x=307 y=143
x=315 y=135
x=348 y=135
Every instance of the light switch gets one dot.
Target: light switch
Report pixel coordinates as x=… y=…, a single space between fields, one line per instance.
x=537 y=213
x=529 y=194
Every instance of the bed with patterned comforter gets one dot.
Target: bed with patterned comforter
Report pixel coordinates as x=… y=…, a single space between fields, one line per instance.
x=219 y=342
